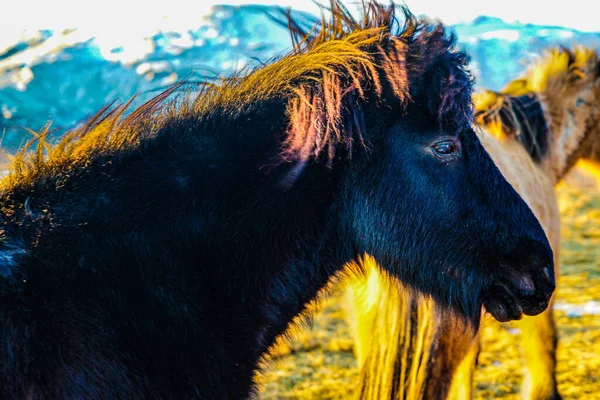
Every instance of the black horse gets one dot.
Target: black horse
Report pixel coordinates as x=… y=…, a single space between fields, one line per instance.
x=159 y=255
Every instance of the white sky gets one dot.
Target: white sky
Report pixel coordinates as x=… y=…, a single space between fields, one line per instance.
x=104 y=15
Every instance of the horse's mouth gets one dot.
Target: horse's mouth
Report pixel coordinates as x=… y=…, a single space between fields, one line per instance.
x=505 y=305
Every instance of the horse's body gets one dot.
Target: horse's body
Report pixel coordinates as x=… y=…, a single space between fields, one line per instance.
x=535 y=130
x=160 y=255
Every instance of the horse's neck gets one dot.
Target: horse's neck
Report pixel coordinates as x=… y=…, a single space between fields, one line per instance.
x=566 y=138
x=573 y=130
x=300 y=282
x=569 y=151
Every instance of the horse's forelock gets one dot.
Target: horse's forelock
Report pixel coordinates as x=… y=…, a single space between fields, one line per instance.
x=326 y=113
x=394 y=64
x=441 y=77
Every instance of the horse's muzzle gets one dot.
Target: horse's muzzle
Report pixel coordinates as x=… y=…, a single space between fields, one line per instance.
x=529 y=294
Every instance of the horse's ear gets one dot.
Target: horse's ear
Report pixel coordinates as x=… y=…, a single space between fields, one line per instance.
x=517 y=87
x=495 y=112
x=572 y=57
x=487 y=103
x=485 y=100
x=576 y=74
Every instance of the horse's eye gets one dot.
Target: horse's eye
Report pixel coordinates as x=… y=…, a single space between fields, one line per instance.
x=445 y=149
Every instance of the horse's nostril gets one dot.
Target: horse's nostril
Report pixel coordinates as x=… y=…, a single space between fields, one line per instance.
x=549 y=274
x=525 y=285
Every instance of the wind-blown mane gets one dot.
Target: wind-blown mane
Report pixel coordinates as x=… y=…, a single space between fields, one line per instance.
x=517 y=109
x=325 y=82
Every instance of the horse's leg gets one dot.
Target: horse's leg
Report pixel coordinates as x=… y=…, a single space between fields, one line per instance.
x=538 y=335
x=539 y=341
x=462 y=382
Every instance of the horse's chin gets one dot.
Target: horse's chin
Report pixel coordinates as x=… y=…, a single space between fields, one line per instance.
x=502 y=304
x=504 y=311
x=507 y=303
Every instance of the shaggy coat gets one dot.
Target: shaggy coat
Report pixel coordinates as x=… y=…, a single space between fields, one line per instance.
x=160 y=254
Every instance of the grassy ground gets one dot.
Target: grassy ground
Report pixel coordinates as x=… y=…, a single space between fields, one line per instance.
x=319 y=363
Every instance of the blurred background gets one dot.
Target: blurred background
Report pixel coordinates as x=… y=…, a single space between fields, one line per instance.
x=61 y=61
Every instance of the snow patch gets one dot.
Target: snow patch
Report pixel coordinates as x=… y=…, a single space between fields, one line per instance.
x=591 y=307
x=510 y=35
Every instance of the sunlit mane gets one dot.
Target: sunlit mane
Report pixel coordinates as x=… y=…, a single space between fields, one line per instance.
x=325 y=82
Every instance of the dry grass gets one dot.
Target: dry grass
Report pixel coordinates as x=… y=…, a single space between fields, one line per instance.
x=319 y=363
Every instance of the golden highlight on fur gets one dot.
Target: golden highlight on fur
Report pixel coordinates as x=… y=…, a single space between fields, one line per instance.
x=397 y=334
x=399 y=368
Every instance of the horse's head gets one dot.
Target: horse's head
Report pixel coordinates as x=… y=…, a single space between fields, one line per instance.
x=553 y=110
x=434 y=210
x=420 y=193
